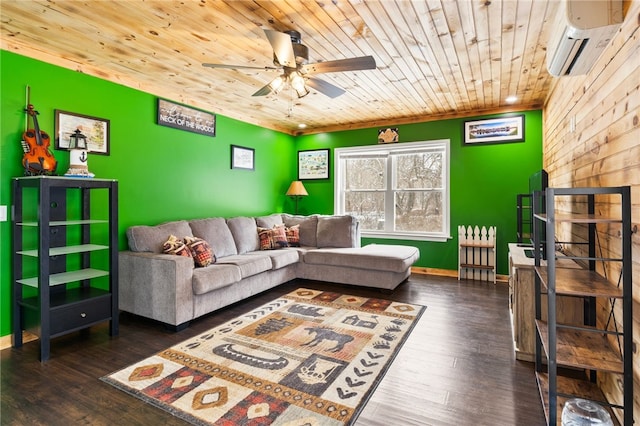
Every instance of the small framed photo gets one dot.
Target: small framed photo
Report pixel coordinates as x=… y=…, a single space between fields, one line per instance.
x=242 y=158
x=313 y=164
x=495 y=130
x=95 y=129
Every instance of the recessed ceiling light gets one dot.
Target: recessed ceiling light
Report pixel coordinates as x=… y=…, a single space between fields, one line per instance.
x=302 y=126
x=511 y=99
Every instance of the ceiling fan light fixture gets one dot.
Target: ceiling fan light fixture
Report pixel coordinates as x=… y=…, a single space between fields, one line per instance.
x=302 y=93
x=277 y=84
x=298 y=84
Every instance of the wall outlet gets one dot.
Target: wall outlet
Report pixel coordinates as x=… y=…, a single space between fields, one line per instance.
x=3 y=213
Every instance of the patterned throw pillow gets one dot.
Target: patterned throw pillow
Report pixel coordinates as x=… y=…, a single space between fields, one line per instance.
x=293 y=235
x=201 y=251
x=273 y=238
x=175 y=246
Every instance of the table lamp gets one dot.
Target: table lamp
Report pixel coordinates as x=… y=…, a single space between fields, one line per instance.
x=297 y=191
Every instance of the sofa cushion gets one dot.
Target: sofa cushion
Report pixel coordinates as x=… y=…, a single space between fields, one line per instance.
x=216 y=232
x=293 y=235
x=337 y=231
x=175 y=245
x=383 y=257
x=272 y=238
x=200 y=251
x=249 y=264
x=308 y=228
x=245 y=233
x=279 y=258
x=152 y=238
x=269 y=221
x=214 y=277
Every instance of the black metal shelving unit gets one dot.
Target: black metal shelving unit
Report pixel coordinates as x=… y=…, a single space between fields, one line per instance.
x=591 y=349
x=524 y=218
x=65 y=261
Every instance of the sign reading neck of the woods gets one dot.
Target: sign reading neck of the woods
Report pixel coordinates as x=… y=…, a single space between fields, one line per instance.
x=186 y=118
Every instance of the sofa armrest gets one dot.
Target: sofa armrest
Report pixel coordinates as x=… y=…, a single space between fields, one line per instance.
x=156 y=286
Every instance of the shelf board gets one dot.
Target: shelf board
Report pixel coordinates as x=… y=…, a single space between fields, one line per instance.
x=471 y=266
x=579 y=282
x=477 y=245
x=578 y=388
x=578 y=218
x=65 y=298
x=66 y=277
x=65 y=222
x=57 y=251
x=586 y=349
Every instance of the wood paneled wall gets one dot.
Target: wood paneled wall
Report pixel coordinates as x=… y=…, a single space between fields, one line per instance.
x=592 y=138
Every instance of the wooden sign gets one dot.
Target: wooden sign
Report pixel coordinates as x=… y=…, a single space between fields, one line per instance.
x=186 y=118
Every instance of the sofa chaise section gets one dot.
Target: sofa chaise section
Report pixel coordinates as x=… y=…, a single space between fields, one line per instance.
x=374 y=265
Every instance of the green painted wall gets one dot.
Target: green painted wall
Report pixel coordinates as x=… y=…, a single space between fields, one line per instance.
x=167 y=174
x=485 y=179
x=163 y=173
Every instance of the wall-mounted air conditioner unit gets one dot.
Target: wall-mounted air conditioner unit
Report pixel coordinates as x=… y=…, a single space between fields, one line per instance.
x=583 y=30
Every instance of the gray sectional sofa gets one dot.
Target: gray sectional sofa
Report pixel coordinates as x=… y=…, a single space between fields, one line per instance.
x=171 y=289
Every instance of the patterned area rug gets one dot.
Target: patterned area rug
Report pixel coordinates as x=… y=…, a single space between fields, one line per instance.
x=307 y=358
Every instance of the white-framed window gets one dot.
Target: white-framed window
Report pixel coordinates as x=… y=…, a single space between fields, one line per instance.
x=397 y=190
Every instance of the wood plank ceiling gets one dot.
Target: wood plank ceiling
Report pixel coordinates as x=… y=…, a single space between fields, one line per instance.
x=435 y=59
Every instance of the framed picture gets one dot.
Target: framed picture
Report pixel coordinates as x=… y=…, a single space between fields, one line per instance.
x=171 y=114
x=95 y=129
x=495 y=130
x=242 y=158
x=313 y=164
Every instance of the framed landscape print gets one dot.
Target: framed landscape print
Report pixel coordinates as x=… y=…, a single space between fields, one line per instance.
x=494 y=130
x=313 y=164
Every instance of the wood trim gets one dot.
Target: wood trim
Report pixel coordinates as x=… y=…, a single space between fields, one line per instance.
x=448 y=273
x=5 y=341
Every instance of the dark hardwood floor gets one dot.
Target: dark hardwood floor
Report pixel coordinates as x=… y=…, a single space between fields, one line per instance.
x=457 y=367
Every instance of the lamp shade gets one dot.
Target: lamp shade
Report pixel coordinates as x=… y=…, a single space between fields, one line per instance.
x=297 y=189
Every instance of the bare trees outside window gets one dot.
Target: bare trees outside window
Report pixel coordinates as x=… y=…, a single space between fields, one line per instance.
x=398 y=190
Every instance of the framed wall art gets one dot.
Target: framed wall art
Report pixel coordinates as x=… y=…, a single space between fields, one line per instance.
x=313 y=164
x=182 y=117
x=495 y=130
x=242 y=158
x=95 y=129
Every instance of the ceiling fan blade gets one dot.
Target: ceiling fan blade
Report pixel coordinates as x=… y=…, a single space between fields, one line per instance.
x=233 y=67
x=351 y=64
x=264 y=91
x=324 y=87
x=282 y=48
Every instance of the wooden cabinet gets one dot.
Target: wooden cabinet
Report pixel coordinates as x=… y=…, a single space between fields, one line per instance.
x=602 y=345
x=522 y=300
x=65 y=258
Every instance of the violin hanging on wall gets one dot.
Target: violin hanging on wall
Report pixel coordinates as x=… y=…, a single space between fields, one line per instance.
x=37 y=158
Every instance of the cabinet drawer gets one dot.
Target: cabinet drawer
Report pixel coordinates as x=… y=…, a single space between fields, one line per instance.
x=79 y=315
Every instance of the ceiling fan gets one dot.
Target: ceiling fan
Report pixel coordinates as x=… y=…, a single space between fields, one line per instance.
x=290 y=57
